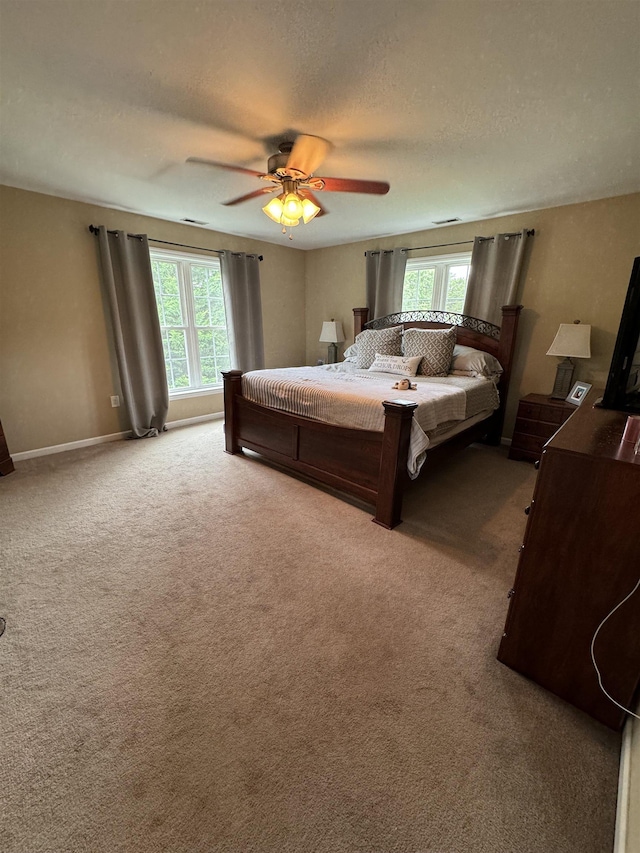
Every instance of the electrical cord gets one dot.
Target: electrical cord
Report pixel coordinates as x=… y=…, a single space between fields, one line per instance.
x=593 y=657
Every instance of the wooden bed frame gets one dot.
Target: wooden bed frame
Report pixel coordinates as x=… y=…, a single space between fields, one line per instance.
x=371 y=466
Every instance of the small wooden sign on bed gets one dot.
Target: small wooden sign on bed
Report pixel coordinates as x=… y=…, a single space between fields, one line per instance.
x=372 y=463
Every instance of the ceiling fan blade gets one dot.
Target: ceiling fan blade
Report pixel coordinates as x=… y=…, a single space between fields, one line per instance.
x=347 y=185
x=227 y=166
x=307 y=154
x=248 y=196
x=306 y=194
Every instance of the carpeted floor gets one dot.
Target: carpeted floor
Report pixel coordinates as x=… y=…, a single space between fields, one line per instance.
x=203 y=654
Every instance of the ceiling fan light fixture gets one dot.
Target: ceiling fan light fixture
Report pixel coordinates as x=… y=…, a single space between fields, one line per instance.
x=289 y=207
x=292 y=206
x=291 y=174
x=274 y=209
x=309 y=210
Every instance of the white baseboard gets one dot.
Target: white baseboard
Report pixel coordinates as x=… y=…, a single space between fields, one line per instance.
x=103 y=439
x=70 y=445
x=215 y=416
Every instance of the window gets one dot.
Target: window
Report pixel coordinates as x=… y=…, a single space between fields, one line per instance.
x=437 y=283
x=192 y=319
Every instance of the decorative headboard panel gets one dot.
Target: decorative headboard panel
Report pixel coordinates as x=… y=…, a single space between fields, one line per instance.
x=500 y=341
x=471 y=332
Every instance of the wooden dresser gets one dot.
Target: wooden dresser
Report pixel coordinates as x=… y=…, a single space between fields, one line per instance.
x=580 y=558
x=539 y=416
x=6 y=462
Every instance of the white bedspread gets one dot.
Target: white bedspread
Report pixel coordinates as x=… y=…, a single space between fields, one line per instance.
x=343 y=395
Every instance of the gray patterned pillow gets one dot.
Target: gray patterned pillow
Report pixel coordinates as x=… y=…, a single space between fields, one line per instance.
x=382 y=341
x=434 y=345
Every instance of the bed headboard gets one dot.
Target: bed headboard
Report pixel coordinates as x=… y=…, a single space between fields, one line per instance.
x=470 y=331
x=500 y=341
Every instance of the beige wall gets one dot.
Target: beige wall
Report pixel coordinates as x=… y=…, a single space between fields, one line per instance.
x=57 y=372
x=578 y=268
x=56 y=369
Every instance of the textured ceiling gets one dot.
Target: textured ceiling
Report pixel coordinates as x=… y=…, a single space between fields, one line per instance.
x=468 y=108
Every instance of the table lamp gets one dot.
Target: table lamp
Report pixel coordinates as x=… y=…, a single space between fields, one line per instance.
x=333 y=334
x=572 y=340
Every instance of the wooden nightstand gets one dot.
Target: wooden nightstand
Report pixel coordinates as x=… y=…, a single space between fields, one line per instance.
x=539 y=417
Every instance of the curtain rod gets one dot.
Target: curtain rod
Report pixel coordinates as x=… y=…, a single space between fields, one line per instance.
x=94 y=230
x=530 y=233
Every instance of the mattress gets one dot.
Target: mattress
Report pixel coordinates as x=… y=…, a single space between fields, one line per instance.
x=343 y=395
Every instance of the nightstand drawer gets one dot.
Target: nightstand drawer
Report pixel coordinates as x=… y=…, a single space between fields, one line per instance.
x=557 y=414
x=531 y=411
x=538 y=419
x=537 y=428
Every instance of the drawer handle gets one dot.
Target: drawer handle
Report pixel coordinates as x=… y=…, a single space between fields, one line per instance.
x=511 y=593
x=527 y=509
x=536 y=464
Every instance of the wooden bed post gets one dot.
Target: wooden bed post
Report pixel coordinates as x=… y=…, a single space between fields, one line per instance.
x=393 y=461
x=360 y=317
x=510 y=317
x=232 y=386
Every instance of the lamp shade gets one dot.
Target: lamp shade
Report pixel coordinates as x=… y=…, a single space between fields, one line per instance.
x=292 y=206
x=332 y=332
x=309 y=210
x=572 y=340
x=273 y=209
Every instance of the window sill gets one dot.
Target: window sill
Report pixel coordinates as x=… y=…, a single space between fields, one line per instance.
x=195 y=392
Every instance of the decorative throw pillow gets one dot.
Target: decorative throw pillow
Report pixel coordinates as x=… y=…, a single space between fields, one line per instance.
x=474 y=362
x=400 y=364
x=435 y=346
x=372 y=341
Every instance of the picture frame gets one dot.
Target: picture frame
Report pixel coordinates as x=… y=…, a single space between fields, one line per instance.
x=578 y=393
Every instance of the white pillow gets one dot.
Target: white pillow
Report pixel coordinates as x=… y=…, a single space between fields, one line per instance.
x=351 y=354
x=400 y=364
x=474 y=362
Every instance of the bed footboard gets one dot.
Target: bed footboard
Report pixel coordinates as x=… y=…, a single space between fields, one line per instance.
x=371 y=466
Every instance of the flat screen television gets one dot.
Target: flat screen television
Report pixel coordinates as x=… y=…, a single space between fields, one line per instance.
x=623 y=385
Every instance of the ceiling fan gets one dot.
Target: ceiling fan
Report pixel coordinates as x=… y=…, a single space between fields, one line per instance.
x=290 y=173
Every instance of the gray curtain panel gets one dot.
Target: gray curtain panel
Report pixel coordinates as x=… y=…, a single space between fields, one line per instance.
x=126 y=271
x=496 y=265
x=243 y=307
x=385 y=281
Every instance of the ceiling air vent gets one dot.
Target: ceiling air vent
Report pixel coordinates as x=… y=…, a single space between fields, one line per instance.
x=194 y=221
x=446 y=221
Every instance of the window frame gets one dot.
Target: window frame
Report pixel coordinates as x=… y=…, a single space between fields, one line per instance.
x=442 y=265
x=187 y=306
